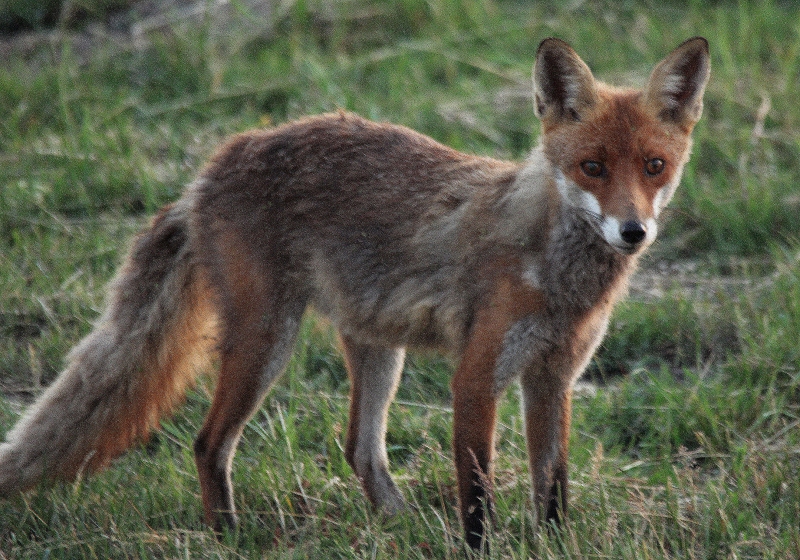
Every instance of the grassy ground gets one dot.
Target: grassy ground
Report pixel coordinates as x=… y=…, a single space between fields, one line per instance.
x=694 y=452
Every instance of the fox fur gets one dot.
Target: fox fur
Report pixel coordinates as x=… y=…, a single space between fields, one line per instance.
x=511 y=268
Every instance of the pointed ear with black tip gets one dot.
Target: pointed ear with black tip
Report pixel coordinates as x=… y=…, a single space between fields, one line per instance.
x=563 y=86
x=676 y=85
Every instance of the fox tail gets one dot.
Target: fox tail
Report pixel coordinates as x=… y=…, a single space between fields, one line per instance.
x=126 y=374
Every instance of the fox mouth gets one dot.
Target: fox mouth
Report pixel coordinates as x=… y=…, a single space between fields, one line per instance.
x=627 y=249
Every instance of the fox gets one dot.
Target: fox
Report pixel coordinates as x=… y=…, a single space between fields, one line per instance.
x=512 y=268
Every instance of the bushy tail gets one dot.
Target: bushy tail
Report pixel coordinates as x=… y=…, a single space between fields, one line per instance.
x=133 y=368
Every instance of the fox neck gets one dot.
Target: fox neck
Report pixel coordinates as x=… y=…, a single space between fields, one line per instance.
x=567 y=258
x=579 y=269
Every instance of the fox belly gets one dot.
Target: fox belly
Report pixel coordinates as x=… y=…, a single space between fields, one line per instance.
x=417 y=308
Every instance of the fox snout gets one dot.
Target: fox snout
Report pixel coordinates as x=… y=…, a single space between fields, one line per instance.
x=633 y=232
x=633 y=236
x=628 y=236
x=626 y=230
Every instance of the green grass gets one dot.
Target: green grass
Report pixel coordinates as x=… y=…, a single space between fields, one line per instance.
x=689 y=446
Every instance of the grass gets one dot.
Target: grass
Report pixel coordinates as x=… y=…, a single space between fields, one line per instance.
x=687 y=447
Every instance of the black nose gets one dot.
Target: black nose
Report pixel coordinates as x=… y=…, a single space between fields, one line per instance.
x=633 y=232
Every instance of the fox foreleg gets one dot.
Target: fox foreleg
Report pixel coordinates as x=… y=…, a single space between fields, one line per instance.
x=474 y=413
x=547 y=407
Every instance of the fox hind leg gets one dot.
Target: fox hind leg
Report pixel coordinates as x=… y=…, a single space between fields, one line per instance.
x=253 y=354
x=374 y=375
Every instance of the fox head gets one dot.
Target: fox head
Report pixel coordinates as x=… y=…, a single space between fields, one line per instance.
x=619 y=154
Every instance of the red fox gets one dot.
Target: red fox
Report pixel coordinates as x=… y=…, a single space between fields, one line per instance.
x=512 y=268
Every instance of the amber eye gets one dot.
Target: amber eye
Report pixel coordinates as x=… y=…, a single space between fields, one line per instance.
x=654 y=166
x=593 y=168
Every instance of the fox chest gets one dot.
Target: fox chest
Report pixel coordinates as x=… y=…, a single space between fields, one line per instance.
x=555 y=344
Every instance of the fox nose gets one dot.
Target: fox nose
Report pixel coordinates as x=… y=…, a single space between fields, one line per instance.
x=633 y=232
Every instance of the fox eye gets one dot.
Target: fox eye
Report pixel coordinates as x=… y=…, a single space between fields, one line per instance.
x=593 y=168
x=654 y=166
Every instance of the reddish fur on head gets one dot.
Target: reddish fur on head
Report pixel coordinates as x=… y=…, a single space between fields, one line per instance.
x=621 y=133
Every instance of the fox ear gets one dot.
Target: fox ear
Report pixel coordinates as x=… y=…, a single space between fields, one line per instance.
x=676 y=86
x=563 y=86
